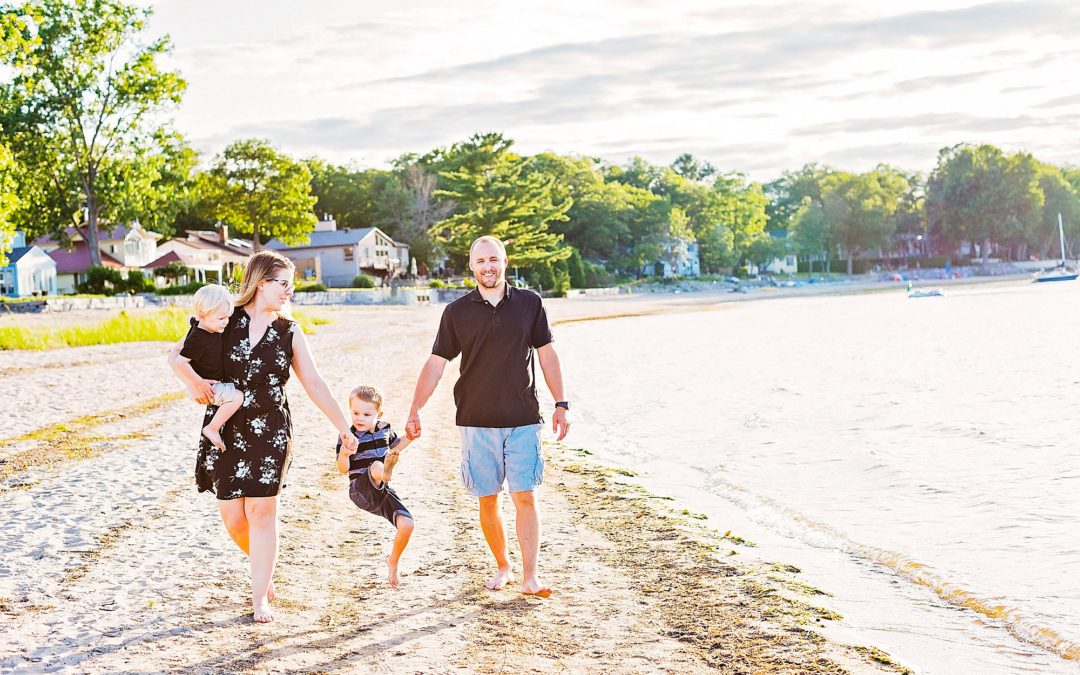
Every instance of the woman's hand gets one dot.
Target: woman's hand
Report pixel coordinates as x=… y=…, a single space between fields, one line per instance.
x=201 y=391
x=348 y=441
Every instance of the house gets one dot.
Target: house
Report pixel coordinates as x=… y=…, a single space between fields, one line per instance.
x=681 y=258
x=29 y=271
x=210 y=255
x=788 y=263
x=335 y=257
x=125 y=247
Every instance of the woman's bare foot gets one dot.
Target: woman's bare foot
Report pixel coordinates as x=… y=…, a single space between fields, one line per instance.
x=501 y=578
x=394 y=579
x=535 y=588
x=388 y=465
x=261 y=611
x=270 y=594
x=215 y=438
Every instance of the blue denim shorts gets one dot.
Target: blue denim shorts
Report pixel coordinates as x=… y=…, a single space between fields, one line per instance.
x=493 y=456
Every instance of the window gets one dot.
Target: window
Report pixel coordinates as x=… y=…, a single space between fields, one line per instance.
x=348 y=253
x=7 y=284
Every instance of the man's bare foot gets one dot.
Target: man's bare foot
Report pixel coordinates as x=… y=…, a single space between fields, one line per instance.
x=388 y=465
x=394 y=579
x=261 y=611
x=535 y=588
x=214 y=437
x=501 y=578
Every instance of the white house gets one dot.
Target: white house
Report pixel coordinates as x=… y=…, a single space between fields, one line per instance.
x=29 y=271
x=125 y=247
x=681 y=259
x=335 y=257
x=786 y=264
x=210 y=255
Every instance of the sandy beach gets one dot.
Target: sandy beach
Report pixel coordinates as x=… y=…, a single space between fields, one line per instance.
x=111 y=562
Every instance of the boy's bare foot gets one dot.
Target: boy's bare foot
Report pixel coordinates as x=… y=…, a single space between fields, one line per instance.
x=501 y=578
x=394 y=579
x=388 y=465
x=214 y=437
x=261 y=611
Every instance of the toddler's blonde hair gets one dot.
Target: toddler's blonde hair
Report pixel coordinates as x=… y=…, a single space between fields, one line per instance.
x=210 y=297
x=367 y=393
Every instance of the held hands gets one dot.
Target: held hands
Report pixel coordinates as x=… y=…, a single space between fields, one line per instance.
x=348 y=441
x=559 y=424
x=412 y=427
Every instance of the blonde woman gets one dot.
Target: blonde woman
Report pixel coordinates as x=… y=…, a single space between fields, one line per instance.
x=260 y=345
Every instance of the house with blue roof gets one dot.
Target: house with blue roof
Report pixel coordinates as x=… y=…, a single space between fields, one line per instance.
x=29 y=271
x=336 y=257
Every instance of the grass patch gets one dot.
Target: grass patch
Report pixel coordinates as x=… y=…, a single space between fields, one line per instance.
x=165 y=325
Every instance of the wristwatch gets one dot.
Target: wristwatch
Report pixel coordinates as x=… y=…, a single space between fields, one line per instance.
x=565 y=405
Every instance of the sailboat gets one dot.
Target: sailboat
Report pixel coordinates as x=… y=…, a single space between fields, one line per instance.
x=1061 y=272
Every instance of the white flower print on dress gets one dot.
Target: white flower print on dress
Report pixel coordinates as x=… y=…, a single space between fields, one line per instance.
x=282 y=362
x=258 y=426
x=268 y=472
x=241 y=351
x=243 y=470
x=280 y=440
x=239 y=444
x=249 y=398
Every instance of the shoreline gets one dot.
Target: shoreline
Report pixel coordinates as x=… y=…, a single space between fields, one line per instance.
x=107 y=582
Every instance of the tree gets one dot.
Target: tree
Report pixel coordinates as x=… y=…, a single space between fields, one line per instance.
x=980 y=194
x=495 y=194
x=82 y=103
x=860 y=209
x=687 y=166
x=789 y=193
x=810 y=233
x=1059 y=197
x=424 y=210
x=8 y=202
x=255 y=189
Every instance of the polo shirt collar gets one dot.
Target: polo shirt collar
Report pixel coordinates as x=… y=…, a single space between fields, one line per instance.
x=476 y=297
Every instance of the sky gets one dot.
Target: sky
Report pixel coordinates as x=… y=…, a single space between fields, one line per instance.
x=756 y=87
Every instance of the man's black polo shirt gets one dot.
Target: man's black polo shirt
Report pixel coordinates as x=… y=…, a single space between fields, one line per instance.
x=496 y=387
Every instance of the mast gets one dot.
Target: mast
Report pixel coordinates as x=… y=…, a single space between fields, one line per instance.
x=1061 y=238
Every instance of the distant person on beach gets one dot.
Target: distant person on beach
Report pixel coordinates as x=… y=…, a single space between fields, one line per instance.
x=204 y=350
x=260 y=345
x=496 y=329
x=371 y=466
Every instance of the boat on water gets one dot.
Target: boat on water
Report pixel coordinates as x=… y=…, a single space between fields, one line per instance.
x=926 y=293
x=1062 y=272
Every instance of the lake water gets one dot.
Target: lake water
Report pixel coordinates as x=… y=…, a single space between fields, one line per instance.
x=918 y=458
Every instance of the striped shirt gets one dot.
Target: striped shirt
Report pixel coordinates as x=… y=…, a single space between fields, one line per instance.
x=371 y=446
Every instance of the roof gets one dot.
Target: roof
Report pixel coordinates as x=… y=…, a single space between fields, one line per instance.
x=16 y=253
x=77 y=259
x=238 y=246
x=171 y=257
x=116 y=234
x=347 y=237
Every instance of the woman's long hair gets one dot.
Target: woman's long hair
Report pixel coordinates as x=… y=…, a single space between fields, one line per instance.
x=260 y=266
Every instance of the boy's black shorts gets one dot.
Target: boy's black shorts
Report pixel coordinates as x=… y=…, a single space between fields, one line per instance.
x=382 y=501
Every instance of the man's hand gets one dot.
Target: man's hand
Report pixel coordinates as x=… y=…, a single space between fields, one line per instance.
x=348 y=440
x=412 y=427
x=202 y=391
x=559 y=424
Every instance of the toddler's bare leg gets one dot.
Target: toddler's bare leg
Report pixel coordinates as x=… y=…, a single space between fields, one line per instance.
x=378 y=473
x=401 y=539
x=224 y=412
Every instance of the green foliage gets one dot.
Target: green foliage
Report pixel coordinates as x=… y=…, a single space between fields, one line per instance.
x=363 y=281
x=137 y=282
x=310 y=287
x=102 y=280
x=436 y=283
x=8 y=202
x=860 y=208
x=980 y=194
x=81 y=112
x=258 y=190
x=576 y=269
x=181 y=289
x=494 y=194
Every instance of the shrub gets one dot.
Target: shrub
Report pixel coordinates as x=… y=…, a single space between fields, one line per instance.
x=314 y=287
x=468 y=283
x=436 y=283
x=138 y=283
x=363 y=281
x=102 y=281
x=181 y=289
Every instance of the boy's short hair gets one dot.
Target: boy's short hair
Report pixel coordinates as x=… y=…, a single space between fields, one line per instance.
x=367 y=393
x=210 y=297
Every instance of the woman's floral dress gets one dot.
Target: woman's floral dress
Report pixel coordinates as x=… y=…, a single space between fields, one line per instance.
x=258 y=438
